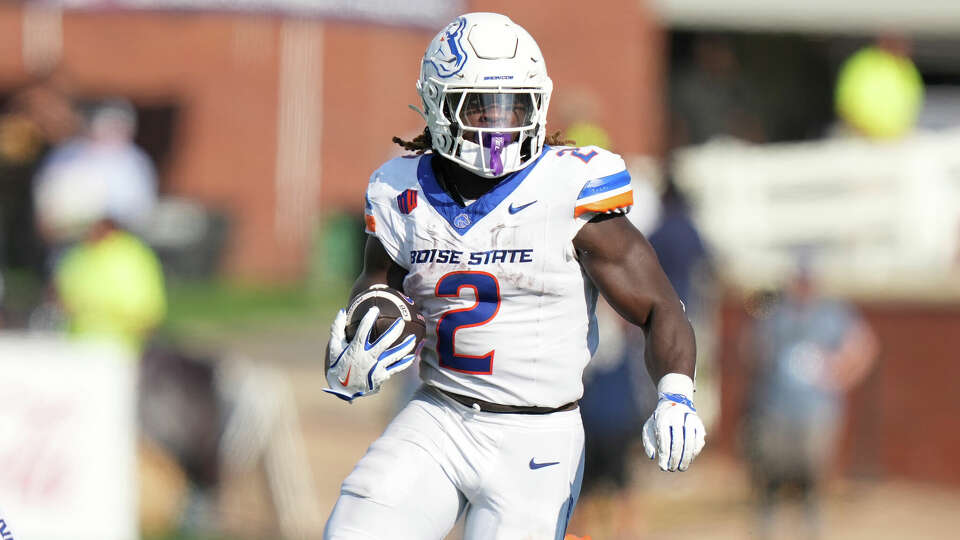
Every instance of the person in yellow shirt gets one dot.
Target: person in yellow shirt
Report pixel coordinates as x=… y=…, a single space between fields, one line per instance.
x=879 y=91
x=111 y=287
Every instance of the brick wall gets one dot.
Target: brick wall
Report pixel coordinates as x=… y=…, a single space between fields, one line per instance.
x=223 y=71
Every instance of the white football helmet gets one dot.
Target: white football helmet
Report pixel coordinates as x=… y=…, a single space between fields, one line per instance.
x=485 y=92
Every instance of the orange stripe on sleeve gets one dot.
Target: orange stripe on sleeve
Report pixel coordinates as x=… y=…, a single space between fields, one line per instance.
x=371 y=223
x=611 y=203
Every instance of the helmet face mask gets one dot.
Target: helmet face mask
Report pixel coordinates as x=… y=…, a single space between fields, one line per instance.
x=485 y=93
x=493 y=109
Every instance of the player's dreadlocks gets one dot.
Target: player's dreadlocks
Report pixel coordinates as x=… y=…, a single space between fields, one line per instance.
x=422 y=142
x=557 y=139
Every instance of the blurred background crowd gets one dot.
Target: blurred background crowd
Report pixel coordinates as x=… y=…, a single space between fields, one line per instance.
x=180 y=217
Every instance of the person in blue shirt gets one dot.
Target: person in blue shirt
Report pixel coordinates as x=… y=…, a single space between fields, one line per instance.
x=808 y=351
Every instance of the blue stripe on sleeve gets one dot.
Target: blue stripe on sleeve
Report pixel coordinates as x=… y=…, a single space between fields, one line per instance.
x=607 y=183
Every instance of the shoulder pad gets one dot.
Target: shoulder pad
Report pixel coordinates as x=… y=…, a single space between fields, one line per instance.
x=584 y=161
x=602 y=180
x=394 y=176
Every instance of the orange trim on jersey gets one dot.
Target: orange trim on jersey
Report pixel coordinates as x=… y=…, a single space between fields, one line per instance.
x=371 y=223
x=611 y=203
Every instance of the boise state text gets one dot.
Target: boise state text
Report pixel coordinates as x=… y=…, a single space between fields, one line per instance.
x=452 y=256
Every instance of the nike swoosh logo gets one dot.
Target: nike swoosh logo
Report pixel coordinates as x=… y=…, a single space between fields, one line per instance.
x=514 y=209
x=347 y=380
x=534 y=465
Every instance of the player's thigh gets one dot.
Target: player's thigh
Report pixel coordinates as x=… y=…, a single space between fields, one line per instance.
x=399 y=490
x=396 y=492
x=532 y=490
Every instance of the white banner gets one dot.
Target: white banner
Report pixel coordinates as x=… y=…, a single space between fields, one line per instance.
x=879 y=218
x=424 y=13
x=67 y=440
x=935 y=17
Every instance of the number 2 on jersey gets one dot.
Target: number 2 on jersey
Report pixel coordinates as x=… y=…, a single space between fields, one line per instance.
x=576 y=153
x=487 y=291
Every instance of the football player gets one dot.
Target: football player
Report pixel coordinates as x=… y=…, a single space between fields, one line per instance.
x=504 y=240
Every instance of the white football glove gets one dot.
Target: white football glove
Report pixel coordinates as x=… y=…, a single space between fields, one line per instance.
x=359 y=367
x=674 y=432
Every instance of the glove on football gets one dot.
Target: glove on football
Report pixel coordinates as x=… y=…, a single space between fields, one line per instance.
x=359 y=367
x=674 y=432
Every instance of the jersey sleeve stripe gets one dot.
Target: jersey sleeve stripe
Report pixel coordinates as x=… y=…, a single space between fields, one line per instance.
x=620 y=200
x=604 y=185
x=605 y=195
x=371 y=223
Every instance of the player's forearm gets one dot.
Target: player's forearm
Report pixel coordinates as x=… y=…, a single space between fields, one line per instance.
x=378 y=268
x=670 y=344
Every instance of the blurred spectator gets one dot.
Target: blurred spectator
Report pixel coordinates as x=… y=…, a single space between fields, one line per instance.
x=34 y=119
x=200 y=416
x=879 y=92
x=709 y=96
x=100 y=171
x=678 y=244
x=110 y=287
x=807 y=351
x=580 y=111
x=181 y=418
x=219 y=420
x=106 y=283
x=585 y=133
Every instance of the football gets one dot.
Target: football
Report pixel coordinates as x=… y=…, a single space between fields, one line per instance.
x=393 y=305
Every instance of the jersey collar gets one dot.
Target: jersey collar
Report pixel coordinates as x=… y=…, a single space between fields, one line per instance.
x=462 y=219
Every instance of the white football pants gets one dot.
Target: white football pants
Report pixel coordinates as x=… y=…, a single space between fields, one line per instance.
x=517 y=476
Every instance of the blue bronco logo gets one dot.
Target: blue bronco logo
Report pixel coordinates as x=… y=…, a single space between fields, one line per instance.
x=450 y=57
x=5 y=532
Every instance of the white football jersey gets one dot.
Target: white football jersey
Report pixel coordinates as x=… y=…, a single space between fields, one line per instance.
x=509 y=311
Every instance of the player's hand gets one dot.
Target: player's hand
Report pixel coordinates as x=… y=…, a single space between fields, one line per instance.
x=674 y=432
x=359 y=367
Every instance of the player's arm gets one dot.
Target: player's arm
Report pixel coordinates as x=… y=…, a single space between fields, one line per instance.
x=624 y=267
x=853 y=359
x=357 y=368
x=378 y=267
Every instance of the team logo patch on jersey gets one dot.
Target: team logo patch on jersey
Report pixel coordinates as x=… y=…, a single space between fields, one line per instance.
x=461 y=221
x=407 y=201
